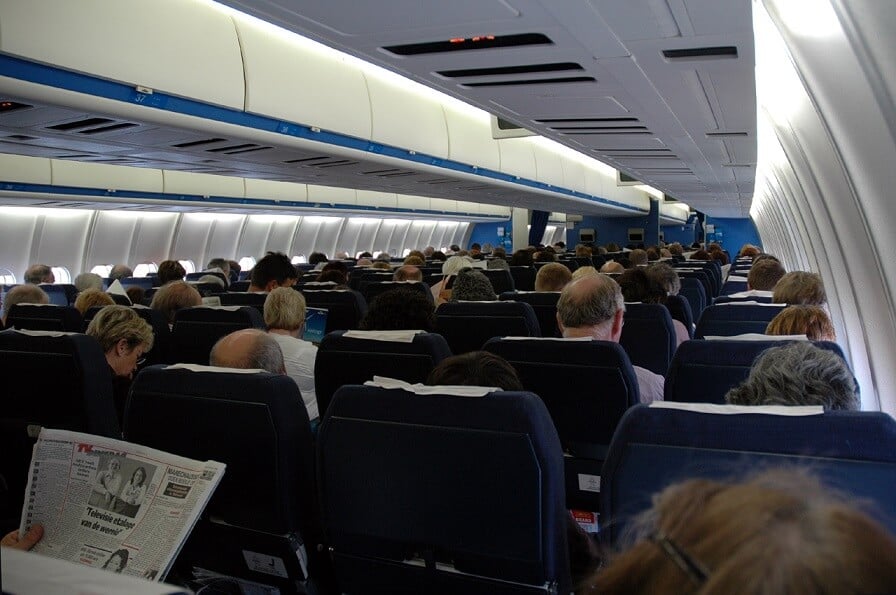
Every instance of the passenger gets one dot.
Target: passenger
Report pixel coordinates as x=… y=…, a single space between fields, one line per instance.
x=86 y=281
x=220 y=283
x=90 y=298
x=26 y=541
x=545 y=254
x=593 y=307
x=439 y=256
x=583 y=251
x=248 y=349
x=748 y=251
x=23 y=294
x=450 y=268
x=701 y=255
x=476 y=368
x=611 y=267
x=124 y=337
x=586 y=271
x=653 y=254
x=331 y=276
x=219 y=265
x=39 y=273
x=235 y=270
x=318 y=259
x=414 y=260
x=399 y=310
x=499 y=259
x=676 y=249
x=119 y=272
x=521 y=258
x=764 y=275
x=418 y=253
x=637 y=258
x=472 y=286
x=664 y=277
x=275 y=270
x=782 y=531
x=408 y=273
x=363 y=263
x=560 y=247
x=811 y=321
x=136 y=294
x=284 y=315
x=381 y=265
x=613 y=247
x=798 y=373
x=638 y=286
x=171 y=270
x=800 y=287
x=476 y=251
x=428 y=251
x=174 y=296
x=552 y=277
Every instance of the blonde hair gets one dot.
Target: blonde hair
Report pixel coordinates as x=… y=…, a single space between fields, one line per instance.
x=586 y=271
x=114 y=323
x=779 y=532
x=811 y=321
x=284 y=309
x=611 y=266
x=89 y=298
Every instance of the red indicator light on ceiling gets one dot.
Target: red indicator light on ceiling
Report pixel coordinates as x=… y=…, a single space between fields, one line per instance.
x=456 y=40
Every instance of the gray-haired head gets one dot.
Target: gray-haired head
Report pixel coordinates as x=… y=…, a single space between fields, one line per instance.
x=591 y=301
x=248 y=349
x=798 y=373
x=472 y=285
x=86 y=281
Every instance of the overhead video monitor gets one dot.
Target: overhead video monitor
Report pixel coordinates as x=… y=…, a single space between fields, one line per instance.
x=636 y=234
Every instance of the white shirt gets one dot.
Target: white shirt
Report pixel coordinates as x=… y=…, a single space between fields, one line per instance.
x=650 y=385
x=299 y=358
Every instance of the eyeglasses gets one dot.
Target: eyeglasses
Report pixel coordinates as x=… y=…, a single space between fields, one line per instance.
x=141 y=361
x=695 y=571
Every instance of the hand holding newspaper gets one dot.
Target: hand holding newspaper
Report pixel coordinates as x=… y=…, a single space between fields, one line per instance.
x=112 y=504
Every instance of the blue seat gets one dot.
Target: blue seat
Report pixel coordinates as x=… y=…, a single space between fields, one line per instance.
x=587 y=386
x=523 y=278
x=703 y=371
x=680 y=309
x=732 y=287
x=693 y=291
x=244 y=298
x=727 y=299
x=61 y=294
x=347 y=360
x=258 y=426
x=648 y=336
x=544 y=303
x=853 y=451
x=443 y=494
x=501 y=280
x=60 y=382
x=468 y=325
x=727 y=320
x=50 y=317
x=197 y=329
x=143 y=283
x=374 y=289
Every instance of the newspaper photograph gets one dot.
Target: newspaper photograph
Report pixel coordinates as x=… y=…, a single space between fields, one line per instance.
x=112 y=504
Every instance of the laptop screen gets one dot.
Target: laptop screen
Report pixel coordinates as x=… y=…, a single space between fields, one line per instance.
x=315 y=325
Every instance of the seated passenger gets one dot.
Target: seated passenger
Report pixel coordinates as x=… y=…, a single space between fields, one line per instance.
x=276 y=270
x=119 y=272
x=88 y=281
x=124 y=337
x=593 y=307
x=90 y=298
x=136 y=294
x=472 y=286
x=637 y=258
x=763 y=277
x=414 y=260
x=585 y=271
x=450 y=267
x=779 y=532
x=248 y=349
x=171 y=270
x=398 y=310
x=476 y=368
x=800 y=287
x=174 y=296
x=39 y=273
x=748 y=251
x=219 y=265
x=381 y=265
x=639 y=285
x=552 y=277
x=811 y=321
x=284 y=315
x=611 y=266
x=408 y=272
x=798 y=373
x=23 y=294
x=499 y=259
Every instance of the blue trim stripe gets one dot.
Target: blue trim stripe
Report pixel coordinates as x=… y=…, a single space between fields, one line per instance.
x=228 y=200
x=52 y=76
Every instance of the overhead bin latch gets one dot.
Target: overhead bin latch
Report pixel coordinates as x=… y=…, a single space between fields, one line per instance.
x=144 y=90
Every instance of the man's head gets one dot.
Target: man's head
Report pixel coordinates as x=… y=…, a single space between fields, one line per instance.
x=591 y=307
x=407 y=272
x=120 y=271
x=637 y=257
x=274 y=270
x=248 y=349
x=171 y=270
x=23 y=294
x=174 y=296
x=765 y=274
x=800 y=287
x=39 y=273
x=219 y=263
x=552 y=277
x=86 y=281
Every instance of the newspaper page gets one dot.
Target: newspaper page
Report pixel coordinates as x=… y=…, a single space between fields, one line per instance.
x=112 y=504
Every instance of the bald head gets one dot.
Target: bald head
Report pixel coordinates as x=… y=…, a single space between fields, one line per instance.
x=591 y=307
x=408 y=272
x=248 y=349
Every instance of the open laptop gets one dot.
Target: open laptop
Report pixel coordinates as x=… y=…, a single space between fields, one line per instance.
x=315 y=325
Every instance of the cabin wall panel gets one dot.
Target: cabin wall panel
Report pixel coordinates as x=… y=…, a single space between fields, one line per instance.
x=224 y=238
x=180 y=182
x=111 y=238
x=283 y=230
x=192 y=238
x=107 y=177
x=254 y=238
x=64 y=238
x=18 y=229
x=154 y=238
x=361 y=233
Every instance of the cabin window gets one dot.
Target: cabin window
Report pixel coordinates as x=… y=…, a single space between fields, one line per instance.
x=188 y=266
x=145 y=268
x=247 y=263
x=7 y=277
x=102 y=270
x=406 y=252
x=61 y=274
x=299 y=259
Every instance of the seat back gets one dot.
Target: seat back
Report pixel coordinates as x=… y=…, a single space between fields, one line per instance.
x=50 y=380
x=241 y=298
x=501 y=280
x=143 y=283
x=442 y=494
x=61 y=294
x=587 y=386
x=258 y=426
x=692 y=290
x=45 y=317
x=197 y=329
x=523 y=278
x=349 y=360
x=853 y=451
x=703 y=371
x=468 y=325
x=345 y=308
x=735 y=319
x=544 y=303
x=372 y=290
x=680 y=310
x=648 y=336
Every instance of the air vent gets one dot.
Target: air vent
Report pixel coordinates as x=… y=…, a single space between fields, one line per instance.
x=236 y=149
x=616 y=131
x=109 y=128
x=390 y=173
x=595 y=128
x=197 y=143
x=306 y=160
x=11 y=106
x=708 y=53
x=20 y=137
x=481 y=42
x=552 y=81
x=436 y=181
x=88 y=123
x=503 y=70
x=73 y=156
x=726 y=134
x=334 y=163
x=585 y=120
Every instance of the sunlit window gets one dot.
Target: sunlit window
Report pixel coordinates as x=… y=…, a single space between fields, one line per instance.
x=7 y=277
x=188 y=266
x=145 y=268
x=61 y=274
x=298 y=259
x=247 y=263
x=102 y=270
x=406 y=252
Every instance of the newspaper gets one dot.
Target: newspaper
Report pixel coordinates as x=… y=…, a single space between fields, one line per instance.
x=115 y=505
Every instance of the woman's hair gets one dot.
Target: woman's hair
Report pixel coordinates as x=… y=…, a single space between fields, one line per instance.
x=782 y=531
x=456 y=264
x=472 y=286
x=665 y=277
x=476 y=368
x=114 y=323
x=637 y=287
x=122 y=555
x=90 y=298
x=811 y=321
x=170 y=270
x=284 y=309
x=142 y=470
